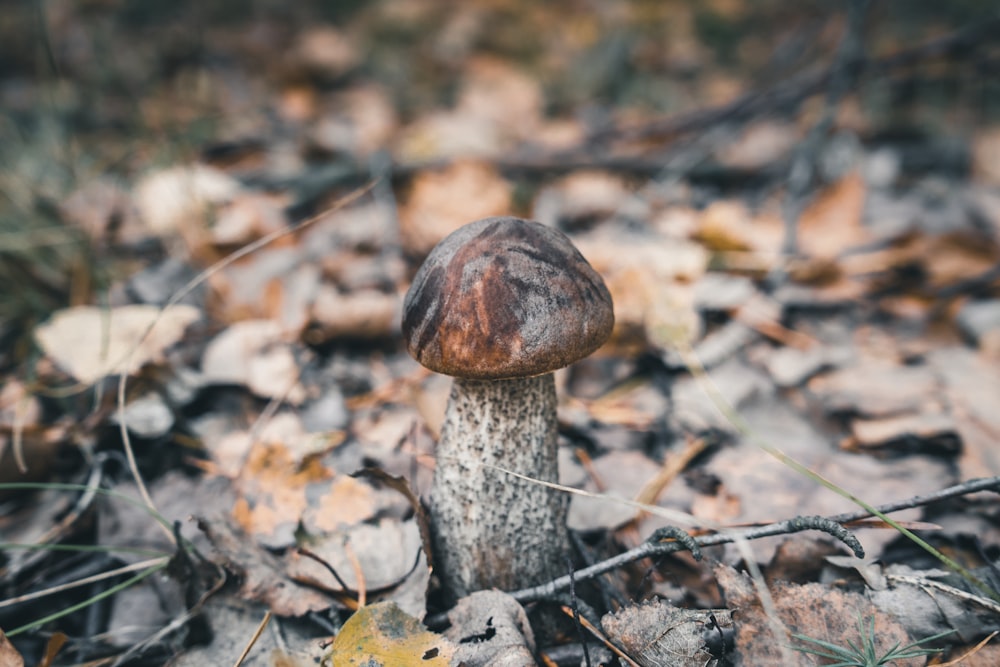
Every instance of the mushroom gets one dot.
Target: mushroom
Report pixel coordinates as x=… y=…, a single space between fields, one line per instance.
x=499 y=305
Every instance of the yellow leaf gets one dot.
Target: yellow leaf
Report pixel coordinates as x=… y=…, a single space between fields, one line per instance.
x=382 y=635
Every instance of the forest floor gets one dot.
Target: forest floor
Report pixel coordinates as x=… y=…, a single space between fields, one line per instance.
x=210 y=425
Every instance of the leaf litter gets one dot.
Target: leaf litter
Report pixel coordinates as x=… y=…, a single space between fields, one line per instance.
x=868 y=353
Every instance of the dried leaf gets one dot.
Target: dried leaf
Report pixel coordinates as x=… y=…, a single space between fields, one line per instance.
x=9 y=656
x=833 y=222
x=657 y=633
x=381 y=635
x=180 y=198
x=261 y=574
x=818 y=611
x=253 y=353
x=442 y=201
x=90 y=342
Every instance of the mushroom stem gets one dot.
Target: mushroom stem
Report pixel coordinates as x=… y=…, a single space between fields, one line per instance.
x=491 y=529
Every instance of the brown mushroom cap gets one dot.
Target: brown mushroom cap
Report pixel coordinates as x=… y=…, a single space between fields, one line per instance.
x=503 y=298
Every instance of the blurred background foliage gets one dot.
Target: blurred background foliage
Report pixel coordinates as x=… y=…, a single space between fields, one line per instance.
x=109 y=88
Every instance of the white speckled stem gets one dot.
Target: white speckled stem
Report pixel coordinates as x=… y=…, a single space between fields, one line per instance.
x=493 y=530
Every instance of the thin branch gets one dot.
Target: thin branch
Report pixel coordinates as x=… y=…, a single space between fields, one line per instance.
x=651 y=549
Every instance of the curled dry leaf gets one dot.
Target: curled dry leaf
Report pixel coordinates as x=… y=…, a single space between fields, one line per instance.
x=90 y=343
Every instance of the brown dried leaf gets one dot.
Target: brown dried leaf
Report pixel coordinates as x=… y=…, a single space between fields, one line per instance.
x=509 y=99
x=9 y=656
x=971 y=385
x=761 y=144
x=929 y=432
x=986 y=156
x=650 y=283
x=326 y=50
x=383 y=558
x=622 y=474
x=275 y=283
x=274 y=493
x=814 y=610
x=261 y=574
x=103 y=209
x=656 y=633
x=357 y=122
x=877 y=389
x=246 y=217
x=728 y=226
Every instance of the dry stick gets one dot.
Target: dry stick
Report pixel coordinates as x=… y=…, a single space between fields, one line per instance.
x=971 y=652
x=183 y=292
x=649 y=549
x=684 y=519
x=253 y=640
x=923 y=582
x=736 y=419
x=672 y=466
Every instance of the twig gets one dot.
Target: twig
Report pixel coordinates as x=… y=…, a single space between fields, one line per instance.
x=924 y=582
x=650 y=549
x=253 y=640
